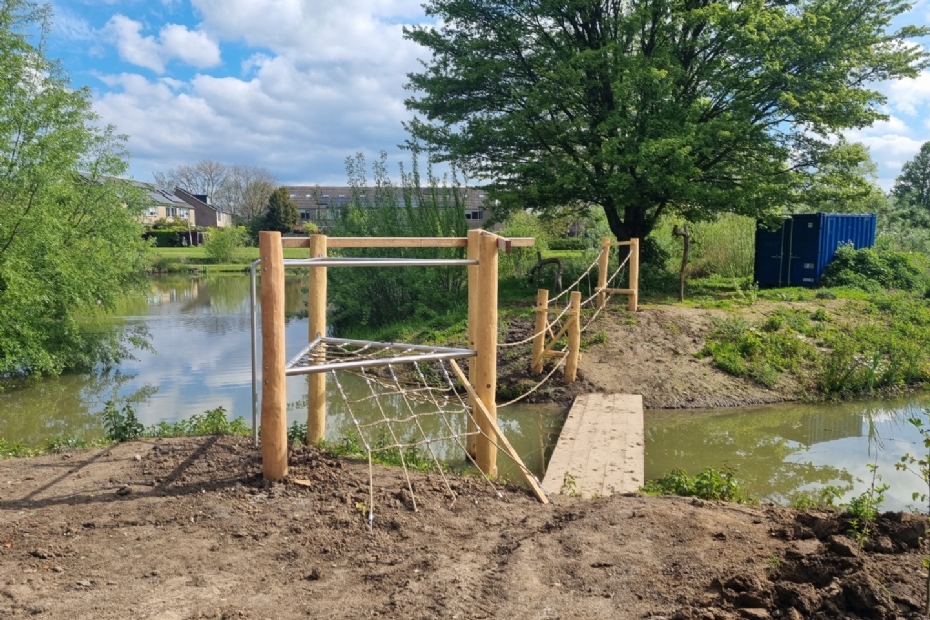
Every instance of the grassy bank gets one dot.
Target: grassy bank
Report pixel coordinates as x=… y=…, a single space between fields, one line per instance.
x=183 y=260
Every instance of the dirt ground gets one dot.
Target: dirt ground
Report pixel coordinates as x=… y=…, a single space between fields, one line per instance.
x=653 y=353
x=186 y=528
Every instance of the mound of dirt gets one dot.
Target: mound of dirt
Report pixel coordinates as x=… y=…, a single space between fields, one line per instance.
x=186 y=528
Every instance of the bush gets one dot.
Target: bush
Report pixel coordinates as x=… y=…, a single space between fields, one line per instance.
x=520 y=260
x=873 y=270
x=224 y=245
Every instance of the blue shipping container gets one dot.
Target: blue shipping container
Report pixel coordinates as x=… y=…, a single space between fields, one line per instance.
x=796 y=253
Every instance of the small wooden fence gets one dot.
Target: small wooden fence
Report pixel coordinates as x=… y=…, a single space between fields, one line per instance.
x=545 y=340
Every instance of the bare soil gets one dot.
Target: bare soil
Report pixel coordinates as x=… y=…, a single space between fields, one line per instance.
x=186 y=528
x=653 y=352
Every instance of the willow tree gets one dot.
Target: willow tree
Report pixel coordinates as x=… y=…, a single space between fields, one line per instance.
x=69 y=242
x=644 y=107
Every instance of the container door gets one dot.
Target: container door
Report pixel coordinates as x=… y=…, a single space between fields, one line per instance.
x=804 y=250
x=769 y=256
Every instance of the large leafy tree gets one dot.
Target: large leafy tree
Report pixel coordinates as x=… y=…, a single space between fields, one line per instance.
x=645 y=107
x=69 y=242
x=240 y=189
x=911 y=189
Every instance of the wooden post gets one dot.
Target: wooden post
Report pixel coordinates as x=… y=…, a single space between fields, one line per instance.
x=632 y=300
x=274 y=381
x=542 y=320
x=574 y=338
x=316 y=311
x=474 y=252
x=603 y=262
x=485 y=380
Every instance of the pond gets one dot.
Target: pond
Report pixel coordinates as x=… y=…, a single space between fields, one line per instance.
x=200 y=331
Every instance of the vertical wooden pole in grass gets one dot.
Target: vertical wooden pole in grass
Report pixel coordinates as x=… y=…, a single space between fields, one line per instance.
x=485 y=378
x=574 y=338
x=474 y=252
x=602 y=265
x=274 y=386
x=542 y=320
x=316 y=309
x=632 y=301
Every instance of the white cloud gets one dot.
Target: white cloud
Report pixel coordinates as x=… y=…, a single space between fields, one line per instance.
x=911 y=95
x=193 y=47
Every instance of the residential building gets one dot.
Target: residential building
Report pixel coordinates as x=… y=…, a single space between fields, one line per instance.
x=320 y=204
x=206 y=214
x=165 y=205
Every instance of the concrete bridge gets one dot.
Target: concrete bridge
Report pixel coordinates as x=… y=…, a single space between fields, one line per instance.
x=601 y=449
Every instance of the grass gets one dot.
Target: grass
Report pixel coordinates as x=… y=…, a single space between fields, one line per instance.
x=184 y=259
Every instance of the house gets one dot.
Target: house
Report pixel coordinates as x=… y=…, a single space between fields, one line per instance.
x=320 y=204
x=206 y=214
x=165 y=205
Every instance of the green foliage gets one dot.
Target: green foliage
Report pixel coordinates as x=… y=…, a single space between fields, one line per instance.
x=375 y=297
x=862 y=510
x=68 y=243
x=709 y=483
x=211 y=422
x=823 y=497
x=644 y=109
x=845 y=182
x=569 y=243
x=911 y=190
x=352 y=447
x=224 y=245
x=723 y=246
x=121 y=424
x=873 y=270
x=282 y=214
x=519 y=261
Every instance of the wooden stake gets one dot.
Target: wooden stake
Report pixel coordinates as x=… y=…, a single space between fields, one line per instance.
x=542 y=319
x=574 y=338
x=632 y=302
x=491 y=421
x=602 y=265
x=316 y=311
x=274 y=386
x=486 y=347
x=474 y=251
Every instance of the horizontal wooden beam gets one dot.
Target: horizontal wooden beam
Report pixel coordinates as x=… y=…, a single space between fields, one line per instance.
x=618 y=243
x=403 y=242
x=551 y=353
x=619 y=291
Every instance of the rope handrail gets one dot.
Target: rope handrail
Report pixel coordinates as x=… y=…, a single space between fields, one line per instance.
x=557 y=365
x=580 y=278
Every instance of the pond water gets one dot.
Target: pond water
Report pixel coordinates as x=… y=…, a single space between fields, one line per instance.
x=200 y=330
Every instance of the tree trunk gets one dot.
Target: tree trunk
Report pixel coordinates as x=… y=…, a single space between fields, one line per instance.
x=685 y=234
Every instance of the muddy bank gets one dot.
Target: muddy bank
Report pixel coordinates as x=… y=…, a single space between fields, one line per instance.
x=185 y=528
x=652 y=352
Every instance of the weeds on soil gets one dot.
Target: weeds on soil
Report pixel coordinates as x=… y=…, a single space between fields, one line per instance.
x=920 y=467
x=862 y=510
x=709 y=483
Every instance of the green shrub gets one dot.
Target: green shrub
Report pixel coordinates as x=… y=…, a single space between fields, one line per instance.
x=873 y=270
x=709 y=483
x=121 y=424
x=224 y=245
x=570 y=243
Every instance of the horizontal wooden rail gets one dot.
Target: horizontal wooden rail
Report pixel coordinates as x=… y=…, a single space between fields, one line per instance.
x=614 y=244
x=619 y=291
x=404 y=242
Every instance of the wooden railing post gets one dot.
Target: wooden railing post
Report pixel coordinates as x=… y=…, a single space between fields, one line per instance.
x=632 y=301
x=603 y=262
x=542 y=320
x=485 y=381
x=274 y=381
x=574 y=338
x=474 y=252
x=316 y=311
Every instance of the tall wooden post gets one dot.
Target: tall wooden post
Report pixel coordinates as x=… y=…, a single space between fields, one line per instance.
x=632 y=300
x=485 y=380
x=542 y=320
x=274 y=386
x=574 y=338
x=316 y=311
x=603 y=262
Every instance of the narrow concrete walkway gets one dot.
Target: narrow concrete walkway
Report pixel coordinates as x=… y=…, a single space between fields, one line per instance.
x=600 y=451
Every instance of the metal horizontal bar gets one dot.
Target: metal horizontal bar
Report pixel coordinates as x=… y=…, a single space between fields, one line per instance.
x=404 y=359
x=376 y=262
x=305 y=350
x=396 y=345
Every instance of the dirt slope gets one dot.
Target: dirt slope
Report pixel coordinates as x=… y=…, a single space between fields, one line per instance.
x=179 y=529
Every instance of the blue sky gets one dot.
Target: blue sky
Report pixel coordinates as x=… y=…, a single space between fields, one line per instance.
x=299 y=85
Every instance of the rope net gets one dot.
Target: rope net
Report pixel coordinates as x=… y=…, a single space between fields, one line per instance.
x=414 y=415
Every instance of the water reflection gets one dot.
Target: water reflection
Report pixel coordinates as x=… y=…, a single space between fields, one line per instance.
x=779 y=451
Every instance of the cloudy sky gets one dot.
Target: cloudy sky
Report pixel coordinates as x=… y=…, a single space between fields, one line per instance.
x=299 y=85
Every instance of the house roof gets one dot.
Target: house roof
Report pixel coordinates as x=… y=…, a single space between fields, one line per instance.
x=194 y=200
